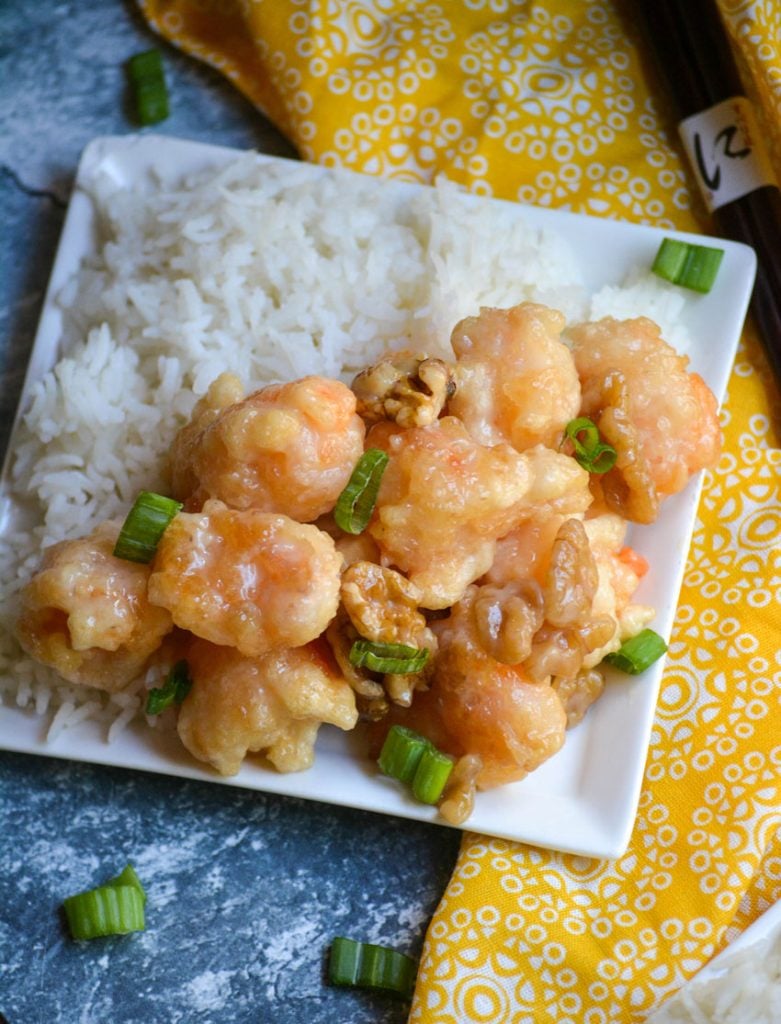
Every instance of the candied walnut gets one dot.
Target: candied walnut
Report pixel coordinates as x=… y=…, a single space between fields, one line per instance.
x=287 y=448
x=578 y=693
x=247 y=579
x=86 y=613
x=382 y=604
x=572 y=579
x=410 y=390
x=561 y=651
x=458 y=798
x=274 y=704
x=506 y=619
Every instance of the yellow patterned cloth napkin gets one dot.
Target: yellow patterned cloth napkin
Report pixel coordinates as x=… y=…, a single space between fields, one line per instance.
x=552 y=102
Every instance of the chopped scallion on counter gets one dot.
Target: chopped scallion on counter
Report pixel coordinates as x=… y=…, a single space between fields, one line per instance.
x=145 y=524
x=356 y=502
x=365 y=965
x=148 y=81
x=414 y=760
x=590 y=451
x=691 y=266
x=173 y=691
x=637 y=653
x=115 y=908
x=399 y=659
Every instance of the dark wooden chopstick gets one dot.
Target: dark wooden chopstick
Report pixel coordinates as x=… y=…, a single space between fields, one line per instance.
x=696 y=63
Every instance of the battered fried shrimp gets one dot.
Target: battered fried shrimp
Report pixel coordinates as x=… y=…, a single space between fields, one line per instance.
x=619 y=572
x=443 y=502
x=409 y=389
x=516 y=380
x=223 y=392
x=86 y=613
x=274 y=704
x=661 y=419
x=477 y=705
x=288 y=448
x=247 y=579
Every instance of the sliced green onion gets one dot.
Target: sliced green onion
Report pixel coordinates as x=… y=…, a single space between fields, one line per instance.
x=590 y=451
x=365 y=965
x=399 y=659
x=115 y=908
x=401 y=753
x=173 y=691
x=128 y=876
x=355 y=504
x=145 y=524
x=148 y=81
x=432 y=773
x=636 y=654
x=691 y=266
x=414 y=760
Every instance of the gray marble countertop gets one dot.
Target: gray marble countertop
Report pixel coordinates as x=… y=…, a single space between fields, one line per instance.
x=245 y=890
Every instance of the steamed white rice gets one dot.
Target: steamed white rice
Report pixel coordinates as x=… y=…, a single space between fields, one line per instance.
x=745 y=988
x=271 y=272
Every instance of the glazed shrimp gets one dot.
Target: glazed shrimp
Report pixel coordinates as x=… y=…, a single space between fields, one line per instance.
x=661 y=419
x=287 y=448
x=274 y=703
x=247 y=579
x=515 y=379
x=86 y=613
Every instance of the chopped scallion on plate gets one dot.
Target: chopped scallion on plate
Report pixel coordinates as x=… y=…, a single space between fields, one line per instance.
x=173 y=691
x=637 y=653
x=356 y=502
x=145 y=524
x=688 y=265
x=398 y=659
x=590 y=451
x=415 y=761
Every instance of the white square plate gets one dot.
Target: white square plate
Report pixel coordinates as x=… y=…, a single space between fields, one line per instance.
x=584 y=799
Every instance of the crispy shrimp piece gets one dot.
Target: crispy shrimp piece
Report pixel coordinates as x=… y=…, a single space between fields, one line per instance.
x=409 y=389
x=515 y=379
x=661 y=419
x=247 y=579
x=274 y=703
x=619 y=572
x=479 y=706
x=443 y=501
x=86 y=613
x=287 y=448
x=223 y=392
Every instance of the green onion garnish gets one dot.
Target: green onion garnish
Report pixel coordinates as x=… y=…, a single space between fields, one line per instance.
x=148 y=81
x=432 y=773
x=590 y=451
x=636 y=654
x=691 y=266
x=145 y=524
x=364 y=965
x=399 y=659
x=356 y=502
x=414 y=760
x=173 y=691
x=115 y=908
x=401 y=753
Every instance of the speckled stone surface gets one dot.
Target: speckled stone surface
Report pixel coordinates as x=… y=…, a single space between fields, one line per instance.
x=245 y=890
